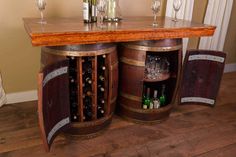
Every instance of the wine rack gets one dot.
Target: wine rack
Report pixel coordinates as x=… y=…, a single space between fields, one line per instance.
x=92 y=81
x=149 y=67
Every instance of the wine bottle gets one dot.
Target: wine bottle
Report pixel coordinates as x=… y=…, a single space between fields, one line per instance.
x=147 y=100
x=104 y=56
x=75 y=117
x=101 y=78
x=87 y=91
x=101 y=88
x=103 y=68
x=94 y=10
x=100 y=112
x=88 y=80
x=87 y=11
x=155 y=100
x=163 y=96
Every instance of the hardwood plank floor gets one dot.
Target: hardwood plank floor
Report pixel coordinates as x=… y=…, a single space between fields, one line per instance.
x=191 y=131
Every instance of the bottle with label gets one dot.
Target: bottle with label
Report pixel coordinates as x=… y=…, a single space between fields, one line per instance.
x=163 y=96
x=94 y=10
x=87 y=5
x=155 y=100
x=147 y=100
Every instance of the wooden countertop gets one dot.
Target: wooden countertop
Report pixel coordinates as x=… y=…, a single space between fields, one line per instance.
x=70 y=31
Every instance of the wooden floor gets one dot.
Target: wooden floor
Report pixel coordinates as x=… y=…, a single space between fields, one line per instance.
x=197 y=131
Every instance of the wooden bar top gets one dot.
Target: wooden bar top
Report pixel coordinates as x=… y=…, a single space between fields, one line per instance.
x=71 y=31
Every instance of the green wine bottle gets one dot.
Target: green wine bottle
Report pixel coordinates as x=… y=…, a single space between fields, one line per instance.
x=147 y=100
x=163 y=96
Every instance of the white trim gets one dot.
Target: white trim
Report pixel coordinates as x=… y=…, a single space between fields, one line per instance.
x=22 y=96
x=230 y=68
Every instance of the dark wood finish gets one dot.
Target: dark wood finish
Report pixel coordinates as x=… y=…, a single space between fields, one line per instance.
x=67 y=31
x=53 y=104
x=201 y=77
x=132 y=78
x=95 y=126
x=80 y=89
x=49 y=59
x=191 y=130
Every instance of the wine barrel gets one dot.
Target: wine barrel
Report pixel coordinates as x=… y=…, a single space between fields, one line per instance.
x=87 y=119
x=132 y=58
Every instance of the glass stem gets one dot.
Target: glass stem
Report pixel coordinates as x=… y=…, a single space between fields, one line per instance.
x=155 y=18
x=41 y=14
x=175 y=15
x=101 y=22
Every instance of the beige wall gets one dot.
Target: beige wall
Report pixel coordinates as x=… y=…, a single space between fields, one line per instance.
x=230 y=42
x=19 y=61
x=198 y=16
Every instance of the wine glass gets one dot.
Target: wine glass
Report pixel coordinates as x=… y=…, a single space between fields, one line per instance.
x=176 y=5
x=156 y=6
x=101 y=8
x=41 y=4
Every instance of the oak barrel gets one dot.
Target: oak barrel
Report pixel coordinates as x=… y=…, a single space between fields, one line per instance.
x=89 y=116
x=132 y=58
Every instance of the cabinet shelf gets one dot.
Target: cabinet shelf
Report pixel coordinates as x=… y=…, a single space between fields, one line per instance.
x=162 y=77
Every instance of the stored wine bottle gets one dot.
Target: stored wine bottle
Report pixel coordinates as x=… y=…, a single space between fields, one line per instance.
x=87 y=11
x=88 y=115
x=100 y=112
x=144 y=95
x=101 y=88
x=102 y=101
x=87 y=91
x=155 y=100
x=101 y=78
x=103 y=68
x=88 y=80
x=94 y=10
x=74 y=117
x=163 y=96
x=147 y=100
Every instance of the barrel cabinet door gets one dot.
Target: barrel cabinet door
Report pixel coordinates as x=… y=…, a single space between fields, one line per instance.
x=202 y=73
x=53 y=101
x=113 y=86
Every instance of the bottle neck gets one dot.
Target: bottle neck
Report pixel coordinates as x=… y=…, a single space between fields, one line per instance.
x=155 y=94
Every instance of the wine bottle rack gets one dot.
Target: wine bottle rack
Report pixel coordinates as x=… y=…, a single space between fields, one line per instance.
x=93 y=84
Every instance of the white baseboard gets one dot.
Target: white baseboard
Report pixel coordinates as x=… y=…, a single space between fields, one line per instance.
x=230 y=68
x=22 y=97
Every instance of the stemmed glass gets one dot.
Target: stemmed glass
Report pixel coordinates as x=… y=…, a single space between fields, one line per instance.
x=176 y=5
x=156 y=6
x=101 y=8
x=41 y=4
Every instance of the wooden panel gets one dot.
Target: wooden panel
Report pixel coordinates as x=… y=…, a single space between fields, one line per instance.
x=65 y=31
x=113 y=85
x=48 y=59
x=201 y=76
x=53 y=103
